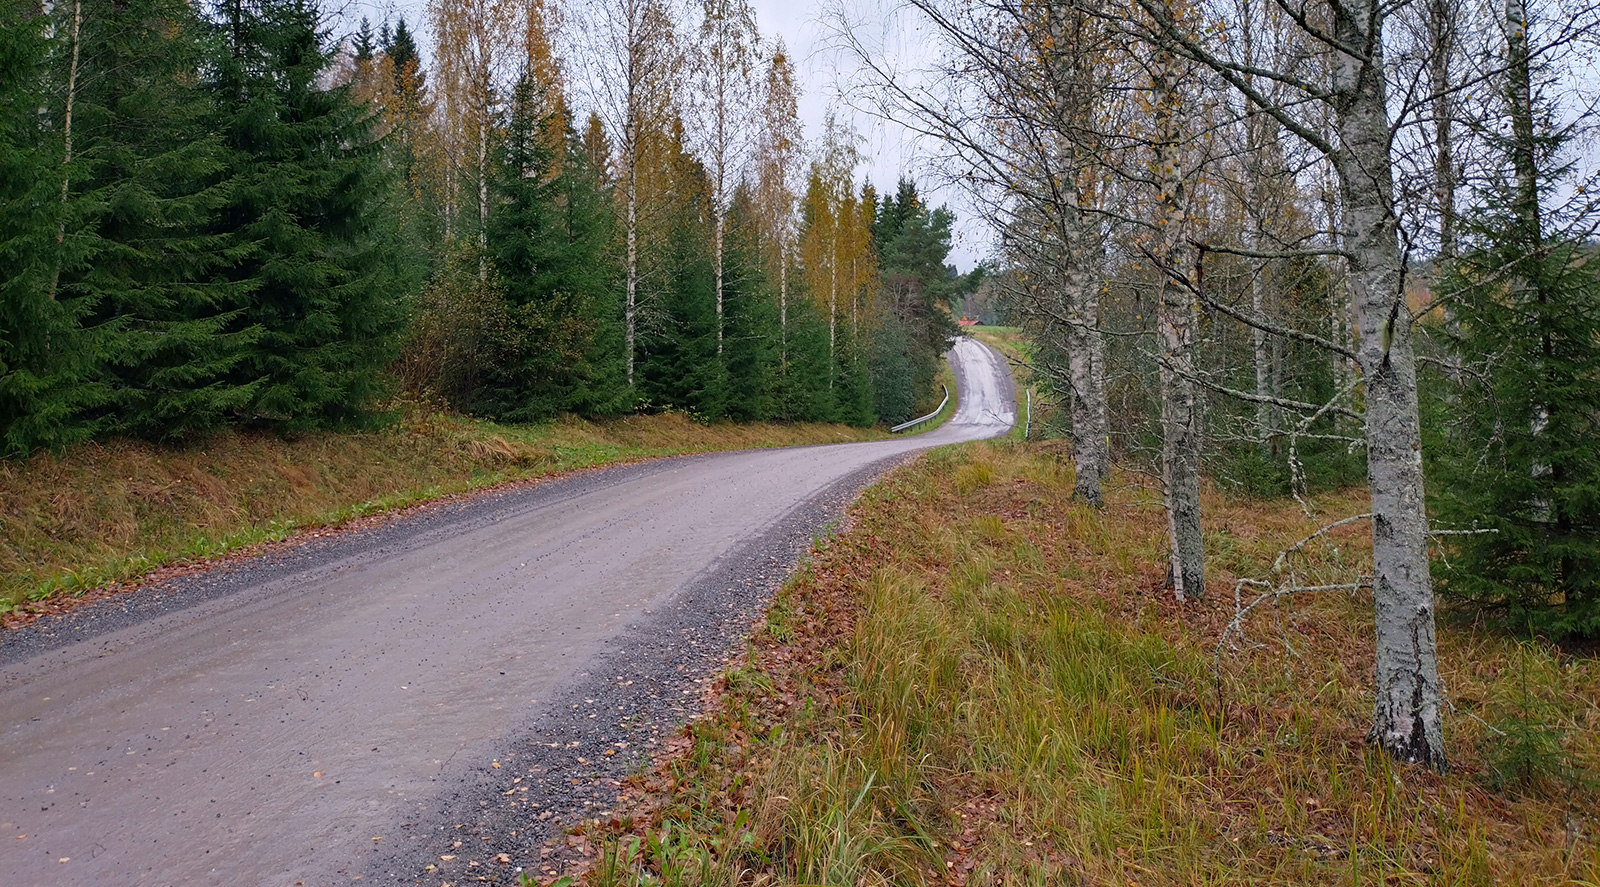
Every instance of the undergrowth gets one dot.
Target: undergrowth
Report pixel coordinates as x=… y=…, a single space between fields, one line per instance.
x=114 y=511
x=983 y=682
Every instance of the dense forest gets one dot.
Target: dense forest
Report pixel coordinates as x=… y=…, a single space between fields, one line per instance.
x=256 y=215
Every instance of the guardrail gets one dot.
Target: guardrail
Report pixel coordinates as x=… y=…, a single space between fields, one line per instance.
x=915 y=422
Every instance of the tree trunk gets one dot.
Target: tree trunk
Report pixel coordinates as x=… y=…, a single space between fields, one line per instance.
x=66 y=138
x=1441 y=26
x=630 y=311
x=783 y=311
x=1085 y=361
x=1406 y=717
x=483 y=191
x=716 y=237
x=1180 y=421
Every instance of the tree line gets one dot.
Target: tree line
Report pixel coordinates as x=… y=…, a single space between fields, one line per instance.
x=231 y=216
x=1303 y=245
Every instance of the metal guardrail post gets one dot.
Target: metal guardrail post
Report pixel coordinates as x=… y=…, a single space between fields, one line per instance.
x=915 y=422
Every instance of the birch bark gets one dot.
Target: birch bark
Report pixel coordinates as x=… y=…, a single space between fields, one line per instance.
x=1180 y=425
x=1406 y=719
x=1085 y=356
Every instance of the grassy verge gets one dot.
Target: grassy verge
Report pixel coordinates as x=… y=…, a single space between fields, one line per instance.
x=947 y=378
x=110 y=512
x=982 y=682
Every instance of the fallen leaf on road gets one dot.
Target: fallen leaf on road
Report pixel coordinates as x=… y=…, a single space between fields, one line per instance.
x=447 y=857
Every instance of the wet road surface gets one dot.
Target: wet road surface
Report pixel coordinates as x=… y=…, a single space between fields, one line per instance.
x=266 y=723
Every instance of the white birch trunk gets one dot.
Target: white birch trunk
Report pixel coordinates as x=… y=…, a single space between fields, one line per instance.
x=1085 y=361
x=66 y=137
x=483 y=192
x=1180 y=425
x=783 y=310
x=1406 y=713
x=630 y=311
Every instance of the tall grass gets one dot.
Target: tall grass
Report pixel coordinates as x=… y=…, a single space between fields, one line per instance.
x=984 y=683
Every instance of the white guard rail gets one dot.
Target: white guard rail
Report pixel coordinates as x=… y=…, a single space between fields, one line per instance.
x=915 y=422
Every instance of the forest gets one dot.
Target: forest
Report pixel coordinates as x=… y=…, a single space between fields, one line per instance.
x=1284 y=248
x=258 y=215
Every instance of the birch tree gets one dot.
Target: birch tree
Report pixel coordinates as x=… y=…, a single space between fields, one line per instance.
x=727 y=54
x=1171 y=112
x=477 y=53
x=629 y=51
x=1407 y=718
x=779 y=149
x=1019 y=103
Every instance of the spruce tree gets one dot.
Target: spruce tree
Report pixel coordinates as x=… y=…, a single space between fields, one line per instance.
x=1522 y=464
x=913 y=244
x=138 y=261
x=307 y=242
x=548 y=233
x=752 y=328
x=40 y=394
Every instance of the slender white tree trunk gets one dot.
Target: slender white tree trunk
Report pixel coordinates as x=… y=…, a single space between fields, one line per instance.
x=483 y=192
x=783 y=310
x=66 y=137
x=1085 y=361
x=631 y=310
x=716 y=237
x=1180 y=420
x=833 y=301
x=1406 y=714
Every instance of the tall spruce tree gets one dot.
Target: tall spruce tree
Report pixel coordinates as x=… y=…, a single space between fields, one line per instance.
x=548 y=233
x=308 y=249
x=752 y=334
x=918 y=286
x=39 y=366
x=139 y=259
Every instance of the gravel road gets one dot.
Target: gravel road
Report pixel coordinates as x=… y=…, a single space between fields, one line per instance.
x=450 y=689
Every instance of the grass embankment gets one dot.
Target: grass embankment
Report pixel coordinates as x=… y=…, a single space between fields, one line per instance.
x=983 y=682
x=116 y=511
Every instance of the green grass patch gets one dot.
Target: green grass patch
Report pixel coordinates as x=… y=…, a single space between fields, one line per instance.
x=983 y=682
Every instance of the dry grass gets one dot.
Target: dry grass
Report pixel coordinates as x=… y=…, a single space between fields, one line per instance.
x=983 y=682
x=115 y=511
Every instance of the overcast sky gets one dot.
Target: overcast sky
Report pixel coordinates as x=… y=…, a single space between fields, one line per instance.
x=888 y=152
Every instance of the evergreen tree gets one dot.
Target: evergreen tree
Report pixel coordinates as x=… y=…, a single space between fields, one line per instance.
x=918 y=287
x=139 y=259
x=307 y=243
x=1523 y=464
x=39 y=390
x=548 y=234
x=751 y=340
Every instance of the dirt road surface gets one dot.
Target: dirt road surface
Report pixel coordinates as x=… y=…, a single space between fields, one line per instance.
x=451 y=687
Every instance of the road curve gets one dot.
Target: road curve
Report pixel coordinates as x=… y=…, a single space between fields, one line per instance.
x=266 y=722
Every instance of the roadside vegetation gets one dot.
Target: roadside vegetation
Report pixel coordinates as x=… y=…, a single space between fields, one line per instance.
x=115 y=511
x=982 y=681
